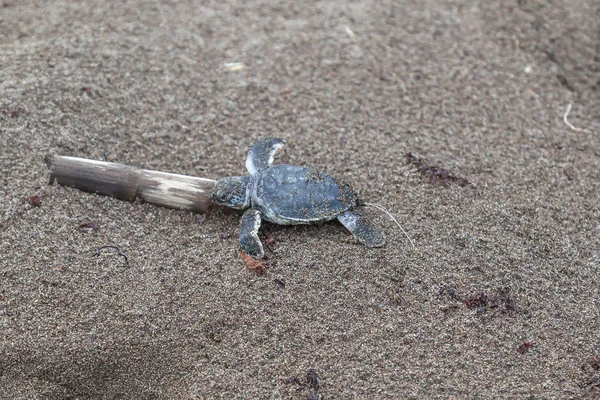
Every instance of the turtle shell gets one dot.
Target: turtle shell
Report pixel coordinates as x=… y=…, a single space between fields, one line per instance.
x=286 y=194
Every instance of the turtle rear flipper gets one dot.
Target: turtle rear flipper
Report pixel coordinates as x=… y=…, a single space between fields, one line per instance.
x=249 y=241
x=361 y=229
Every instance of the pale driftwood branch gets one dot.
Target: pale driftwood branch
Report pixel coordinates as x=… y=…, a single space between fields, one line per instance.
x=128 y=183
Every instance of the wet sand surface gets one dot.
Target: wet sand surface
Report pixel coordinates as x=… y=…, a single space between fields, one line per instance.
x=499 y=297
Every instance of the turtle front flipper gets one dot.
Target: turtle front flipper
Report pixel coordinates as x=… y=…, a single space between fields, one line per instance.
x=361 y=229
x=249 y=242
x=262 y=153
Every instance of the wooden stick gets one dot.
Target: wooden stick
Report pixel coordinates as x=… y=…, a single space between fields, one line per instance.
x=128 y=183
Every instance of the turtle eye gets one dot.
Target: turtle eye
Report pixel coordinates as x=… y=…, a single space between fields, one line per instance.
x=221 y=194
x=231 y=192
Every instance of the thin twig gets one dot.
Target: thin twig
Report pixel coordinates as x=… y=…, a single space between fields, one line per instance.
x=381 y=208
x=119 y=253
x=566 y=121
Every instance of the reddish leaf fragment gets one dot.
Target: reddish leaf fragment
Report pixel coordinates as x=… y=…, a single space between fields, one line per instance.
x=436 y=175
x=253 y=263
x=35 y=200
x=477 y=300
x=524 y=347
x=502 y=301
x=499 y=300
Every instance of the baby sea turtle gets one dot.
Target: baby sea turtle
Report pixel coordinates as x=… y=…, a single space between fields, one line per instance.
x=288 y=195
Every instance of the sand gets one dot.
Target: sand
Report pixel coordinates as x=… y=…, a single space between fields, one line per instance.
x=499 y=298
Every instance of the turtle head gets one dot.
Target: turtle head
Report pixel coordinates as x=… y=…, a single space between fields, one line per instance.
x=232 y=192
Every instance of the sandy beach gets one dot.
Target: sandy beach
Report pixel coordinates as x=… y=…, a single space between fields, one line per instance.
x=499 y=298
